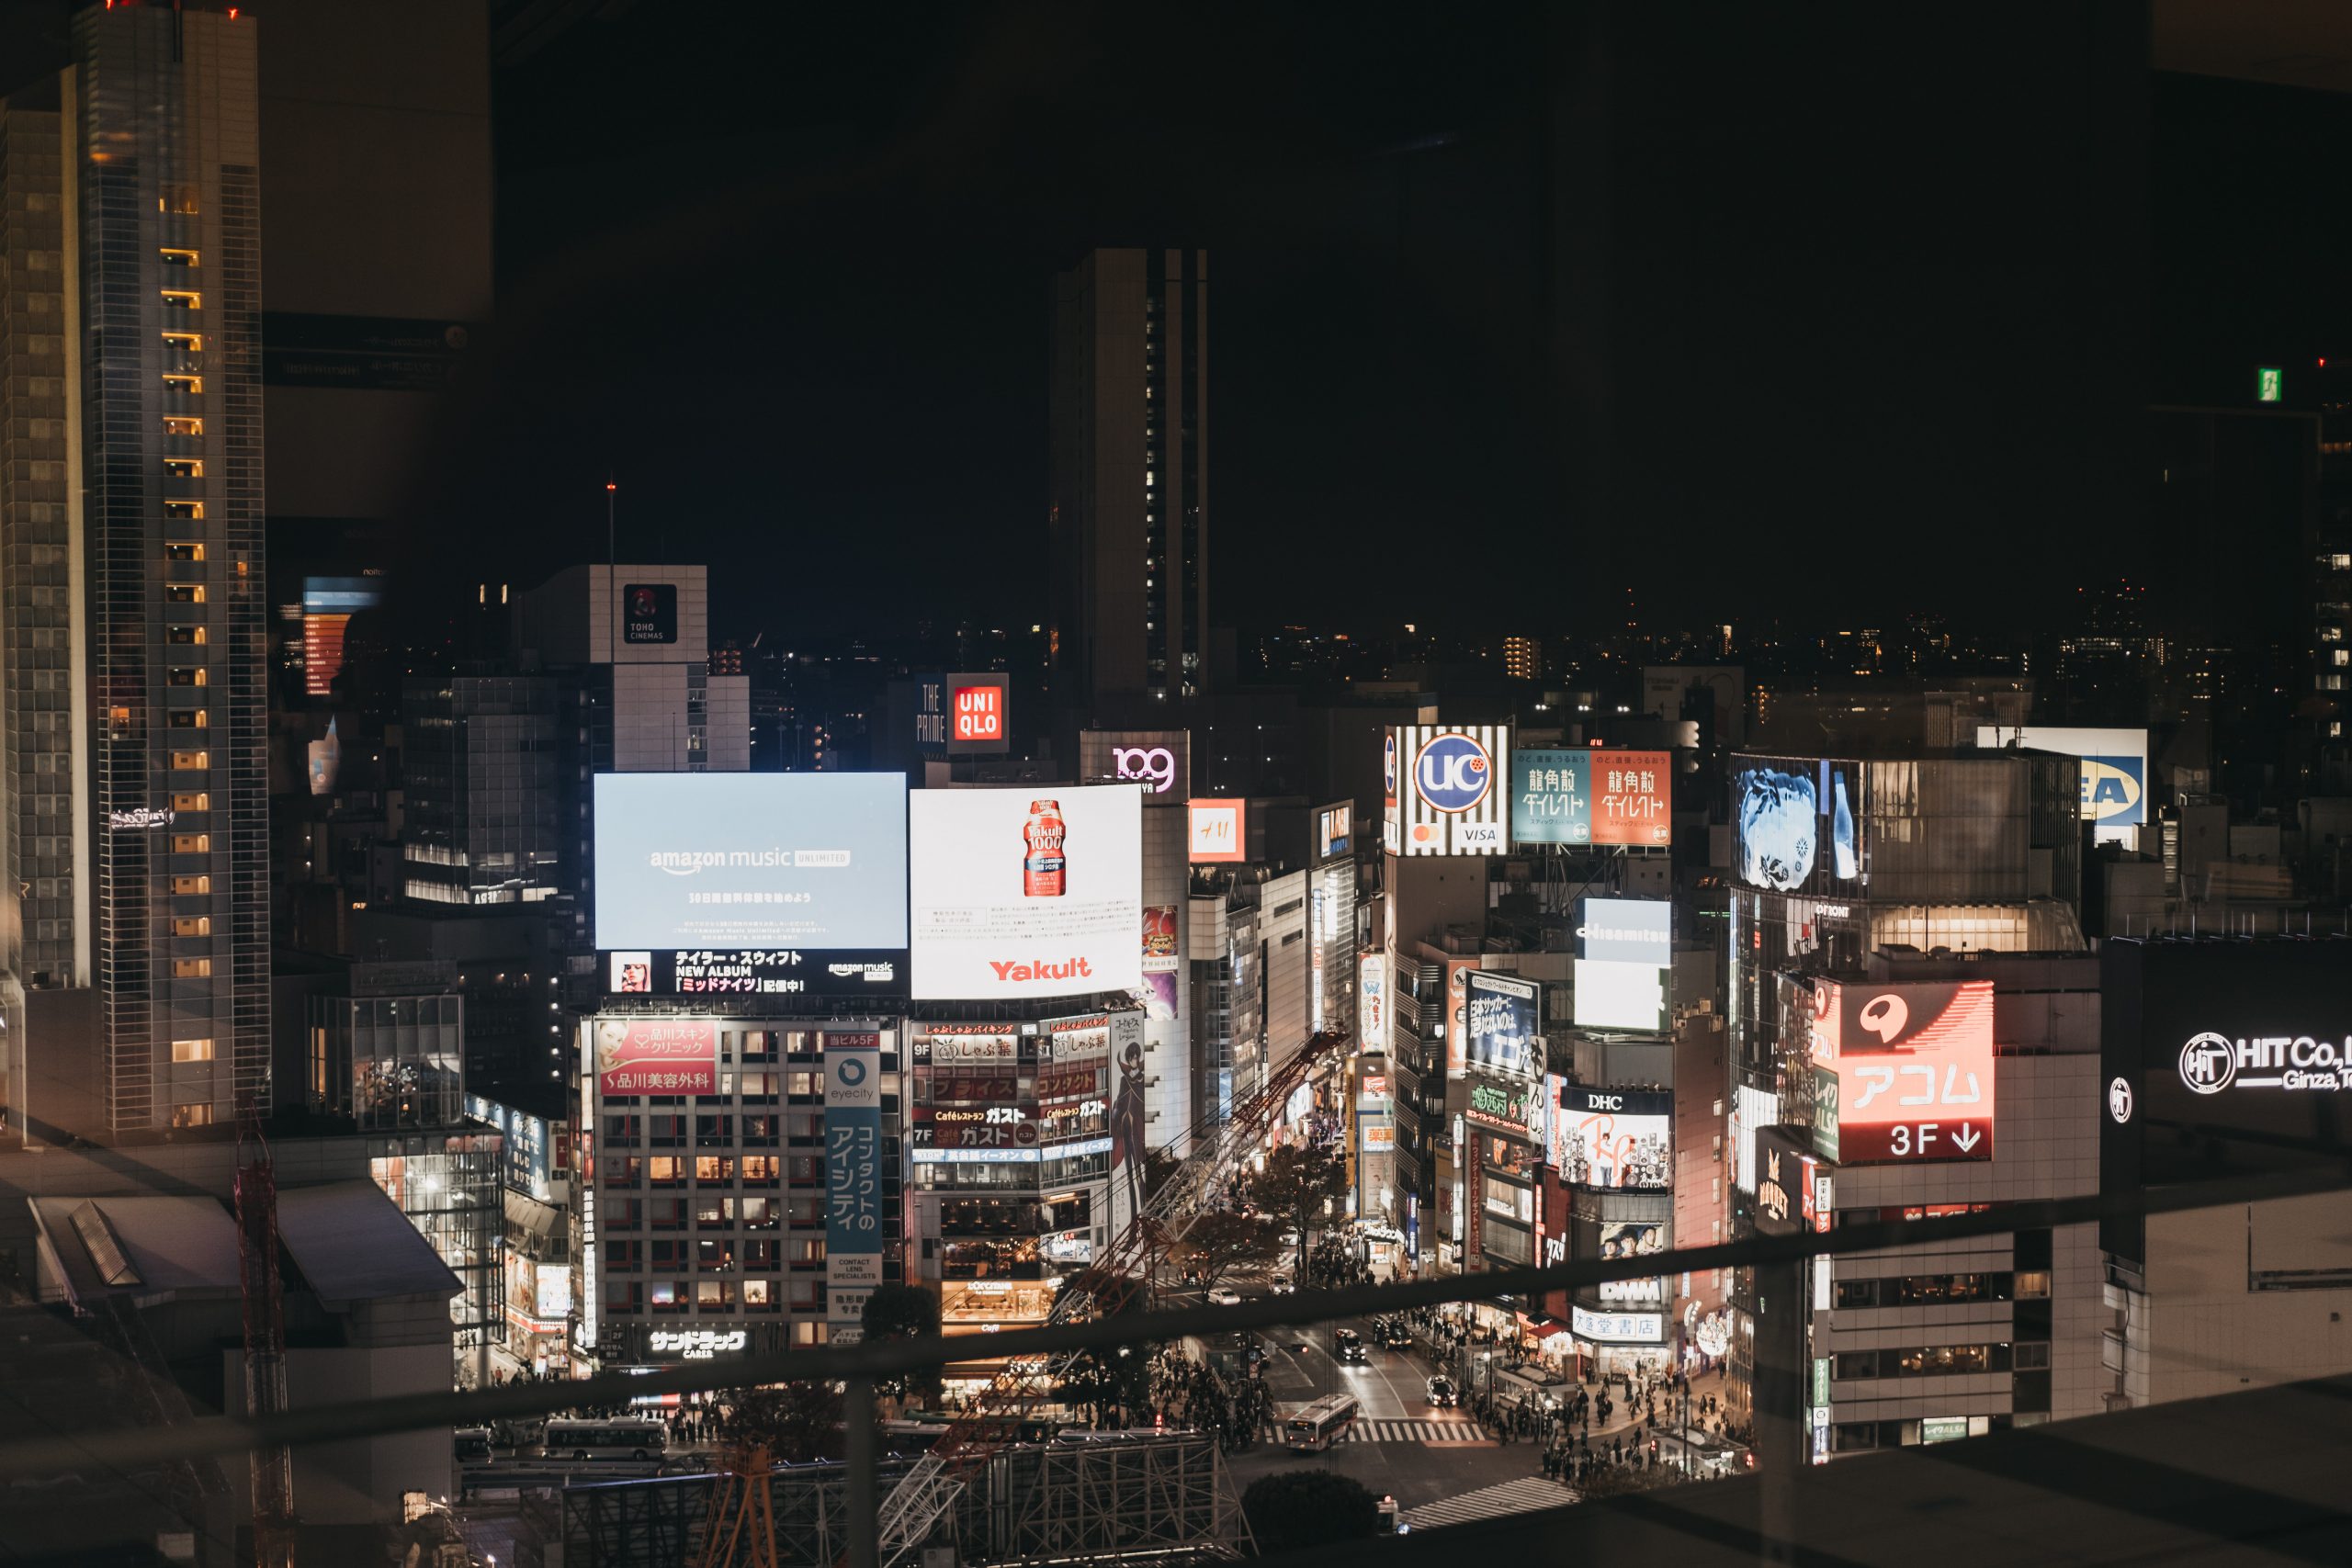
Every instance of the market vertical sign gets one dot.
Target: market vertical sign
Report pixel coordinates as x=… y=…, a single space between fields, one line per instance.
x=853 y=1179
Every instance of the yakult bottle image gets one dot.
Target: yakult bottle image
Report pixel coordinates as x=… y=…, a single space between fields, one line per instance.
x=1044 y=871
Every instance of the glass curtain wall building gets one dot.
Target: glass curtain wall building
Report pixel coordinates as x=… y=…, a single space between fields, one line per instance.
x=163 y=295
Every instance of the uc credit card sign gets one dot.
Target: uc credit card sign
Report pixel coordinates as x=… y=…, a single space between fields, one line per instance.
x=1447 y=789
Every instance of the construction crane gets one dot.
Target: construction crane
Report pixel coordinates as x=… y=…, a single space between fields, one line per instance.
x=999 y=1413
x=273 y=1465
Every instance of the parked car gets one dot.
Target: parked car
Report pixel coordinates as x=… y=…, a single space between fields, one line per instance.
x=1442 y=1394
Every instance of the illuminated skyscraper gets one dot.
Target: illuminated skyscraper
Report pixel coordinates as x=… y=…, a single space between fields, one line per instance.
x=1522 y=657
x=1129 y=510
x=130 y=575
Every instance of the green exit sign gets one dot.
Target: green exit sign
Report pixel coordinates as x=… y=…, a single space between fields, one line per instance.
x=2265 y=384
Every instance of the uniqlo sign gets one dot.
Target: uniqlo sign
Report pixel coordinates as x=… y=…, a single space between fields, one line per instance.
x=1914 y=1065
x=979 y=712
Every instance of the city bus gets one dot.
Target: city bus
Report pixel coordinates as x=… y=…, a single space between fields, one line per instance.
x=621 y=1438
x=1314 y=1427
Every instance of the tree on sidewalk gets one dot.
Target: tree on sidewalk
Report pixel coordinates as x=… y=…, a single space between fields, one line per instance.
x=1299 y=1184
x=903 y=1311
x=1220 y=1240
x=1295 y=1508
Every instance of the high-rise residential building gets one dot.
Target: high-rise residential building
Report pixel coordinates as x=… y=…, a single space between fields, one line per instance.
x=136 y=806
x=1522 y=657
x=1129 y=515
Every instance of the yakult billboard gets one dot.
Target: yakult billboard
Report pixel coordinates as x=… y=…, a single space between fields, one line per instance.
x=1035 y=891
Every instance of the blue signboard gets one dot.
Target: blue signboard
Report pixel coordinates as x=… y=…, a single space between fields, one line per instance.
x=853 y=1179
x=2115 y=791
x=1551 y=798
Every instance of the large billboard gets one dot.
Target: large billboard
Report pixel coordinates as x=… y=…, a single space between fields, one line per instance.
x=1447 y=789
x=1614 y=1137
x=1596 y=797
x=2115 y=767
x=1619 y=996
x=1457 y=1012
x=1372 y=1011
x=656 y=1055
x=751 y=861
x=1157 y=761
x=852 y=1178
x=526 y=1145
x=963 y=716
x=1627 y=931
x=1334 y=831
x=1796 y=825
x=1913 y=1066
x=753 y=972
x=1505 y=1020
x=1022 y=893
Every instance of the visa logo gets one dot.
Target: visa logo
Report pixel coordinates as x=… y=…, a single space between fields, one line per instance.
x=2111 y=790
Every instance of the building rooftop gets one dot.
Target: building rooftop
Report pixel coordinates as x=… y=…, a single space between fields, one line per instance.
x=151 y=1249
x=352 y=1243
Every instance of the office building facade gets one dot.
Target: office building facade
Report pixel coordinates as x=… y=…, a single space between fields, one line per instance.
x=1128 y=515
x=136 y=810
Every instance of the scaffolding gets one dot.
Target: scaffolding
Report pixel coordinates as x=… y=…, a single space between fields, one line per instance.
x=1143 y=1494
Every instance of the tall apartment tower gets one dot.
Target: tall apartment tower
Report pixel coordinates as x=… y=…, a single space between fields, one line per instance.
x=1129 y=517
x=131 y=736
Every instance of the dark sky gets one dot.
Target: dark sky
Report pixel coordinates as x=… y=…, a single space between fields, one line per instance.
x=1829 y=317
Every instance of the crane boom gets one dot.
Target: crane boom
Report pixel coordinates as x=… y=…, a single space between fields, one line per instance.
x=265 y=1315
x=997 y=1416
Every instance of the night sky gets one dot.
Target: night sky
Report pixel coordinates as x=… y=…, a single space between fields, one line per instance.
x=1823 y=319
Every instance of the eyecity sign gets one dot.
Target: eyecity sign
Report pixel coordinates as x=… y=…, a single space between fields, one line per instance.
x=2211 y=1063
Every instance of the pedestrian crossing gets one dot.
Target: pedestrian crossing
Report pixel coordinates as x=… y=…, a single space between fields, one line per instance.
x=1373 y=1431
x=1523 y=1497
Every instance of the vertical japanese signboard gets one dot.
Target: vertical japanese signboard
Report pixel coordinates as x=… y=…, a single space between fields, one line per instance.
x=853 y=1179
x=1913 y=1068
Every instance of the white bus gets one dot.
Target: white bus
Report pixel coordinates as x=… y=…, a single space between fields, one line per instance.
x=621 y=1438
x=1314 y=1427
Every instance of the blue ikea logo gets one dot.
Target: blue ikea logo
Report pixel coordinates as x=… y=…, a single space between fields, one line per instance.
x=2113 y=791
x=1452 y=773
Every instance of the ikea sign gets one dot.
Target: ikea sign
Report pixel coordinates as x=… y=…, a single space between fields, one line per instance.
x=2113 y=790
x=2114 y=767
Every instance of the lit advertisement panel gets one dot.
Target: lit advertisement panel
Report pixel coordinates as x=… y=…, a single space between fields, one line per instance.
x=1627 y=931
x=1619 y=996
x=1633 y=797
x=1551 y=798
x=1504 y=1106
x=1371 y=1015
x=1334 y=831
x=1217 y=830
x=2115 y=766
x=751 y=861
x=1752 y=1107
x=1448 y=789
x=657 y=1056
x=1028 y=892
x=852 y=1178
x=962 y=714
x=1796 y=825
x=1614 y=1137
x=1457 y=1012
x=1505 y=1021
x=1915 y=1070
x=753 y=972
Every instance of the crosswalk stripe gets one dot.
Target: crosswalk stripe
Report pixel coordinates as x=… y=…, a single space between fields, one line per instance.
x=1412 y=1431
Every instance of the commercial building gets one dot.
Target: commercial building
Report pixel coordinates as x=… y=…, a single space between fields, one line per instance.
x=2244 y=1041
x=483 y=822
x=1128 y=511
x=136 y=808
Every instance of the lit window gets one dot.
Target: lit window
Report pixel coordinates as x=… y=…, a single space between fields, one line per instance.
x=183 y=550
x=184 y=592
x=191 y=844
x=182 y=424
x=185 y=886
x=187 y=677
x=176 y=381
x=187 y=342
x=192 y=925
x=192 y=800
x=183 y=300
x=190 y=719
x=192 y=1115
x=184 y=467
x=191 y=761
x=175 y=257
x=191 y=968
x=180 y=199
x=192 y=1050
x=184 y=511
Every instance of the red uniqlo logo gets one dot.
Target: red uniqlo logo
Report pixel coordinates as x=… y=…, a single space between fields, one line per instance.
x=980 y=713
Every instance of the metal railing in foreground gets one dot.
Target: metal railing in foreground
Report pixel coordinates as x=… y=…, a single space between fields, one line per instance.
x=859 y=1365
